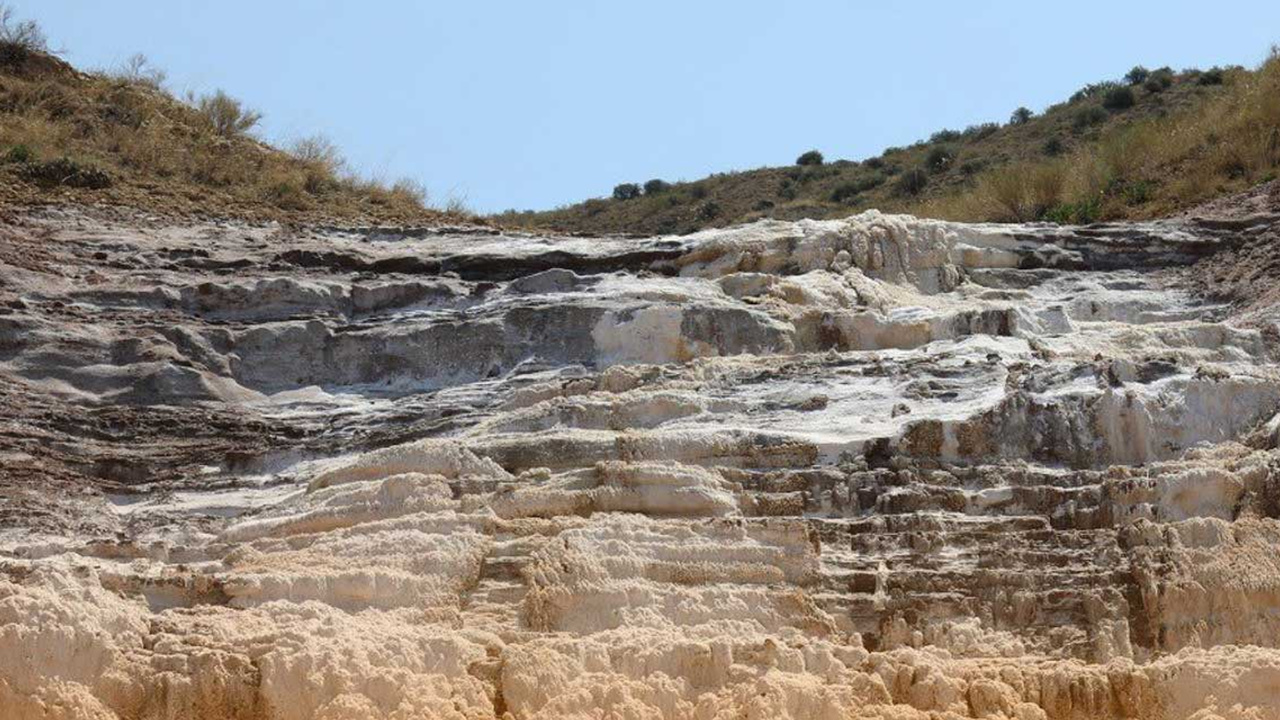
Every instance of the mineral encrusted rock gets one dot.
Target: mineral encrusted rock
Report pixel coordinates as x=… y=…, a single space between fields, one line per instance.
x=876 y=467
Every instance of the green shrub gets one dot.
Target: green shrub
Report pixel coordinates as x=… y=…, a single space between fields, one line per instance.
x=912 y=182
x=980 y=131
x=969 y=168
x=1021 y=116
x=1212 y=76
x=813 y=157
x=626 y=191
x=1137 y=75
x=943 y=136
x=1119 y=98
x=1159 y=80
x=1088 y=117
x=1093 y=90
x=708 y=210
x=656 y=186
x=1079 y=213
x=939 y=158
x=19 y=154
x=1054 y=146
x=1136 y=192
x=844 y=192
x=848 y=191
x=875 y=163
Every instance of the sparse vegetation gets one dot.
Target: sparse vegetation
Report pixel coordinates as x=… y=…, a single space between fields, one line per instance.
x=19 y=39
x=117 y=136
x=226 y=115
x=1178 y=143
x=138 y=70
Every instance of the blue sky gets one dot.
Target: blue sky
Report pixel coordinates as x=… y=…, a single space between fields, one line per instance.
x=537 y=104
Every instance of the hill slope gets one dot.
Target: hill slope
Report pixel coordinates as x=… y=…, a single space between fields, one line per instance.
x=1154 y=143
x=119 y=138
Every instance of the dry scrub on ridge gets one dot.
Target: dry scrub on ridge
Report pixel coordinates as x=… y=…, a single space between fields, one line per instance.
x=119 y=138
x=1157 y=142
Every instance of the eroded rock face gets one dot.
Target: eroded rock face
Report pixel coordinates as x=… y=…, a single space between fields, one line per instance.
x=878 y=467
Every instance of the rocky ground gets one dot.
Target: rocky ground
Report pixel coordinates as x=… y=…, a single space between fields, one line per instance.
x=874 y=467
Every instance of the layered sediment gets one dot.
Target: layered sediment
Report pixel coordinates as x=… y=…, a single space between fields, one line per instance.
x=874 y=467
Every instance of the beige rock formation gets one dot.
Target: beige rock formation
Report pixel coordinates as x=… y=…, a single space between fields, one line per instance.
x=872 y=468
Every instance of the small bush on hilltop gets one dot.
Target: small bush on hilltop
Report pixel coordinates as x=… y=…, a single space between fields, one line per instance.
x=656 y=187
x=19 y=40
x=813 y=157
x=1137 y=75
x=137 y=70
x=321 y=160
x=626 y=191
x=226 y=115
x=980 y=131
x=1021 y=116
x=1159 y=80
x=1212 y=76
x=1120 y=98
x=1092 y=90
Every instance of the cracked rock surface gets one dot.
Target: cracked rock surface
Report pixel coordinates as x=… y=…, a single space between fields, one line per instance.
x=878 y=467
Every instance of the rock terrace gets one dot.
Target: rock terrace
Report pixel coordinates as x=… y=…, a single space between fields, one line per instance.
x=875 y=467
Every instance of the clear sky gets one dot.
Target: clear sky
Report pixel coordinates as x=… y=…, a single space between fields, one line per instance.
x=534 y=104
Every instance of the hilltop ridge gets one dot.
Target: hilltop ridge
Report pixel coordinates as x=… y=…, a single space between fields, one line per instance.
x=1150 y=144
x=119 y=137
